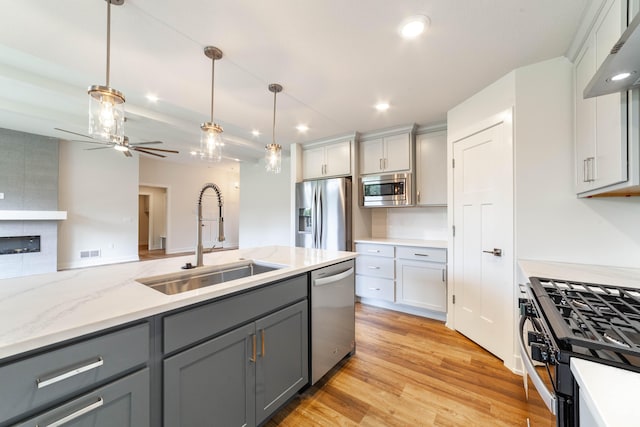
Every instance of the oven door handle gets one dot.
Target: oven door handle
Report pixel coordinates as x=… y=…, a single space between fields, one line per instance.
x=548 y=397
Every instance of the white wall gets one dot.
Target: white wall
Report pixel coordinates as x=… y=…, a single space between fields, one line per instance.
x=427 y=223
x=184 y=183
x=99 y=191
x=551 y=222
x=265 y=205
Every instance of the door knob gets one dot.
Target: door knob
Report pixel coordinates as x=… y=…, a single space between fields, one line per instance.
x=495 y=252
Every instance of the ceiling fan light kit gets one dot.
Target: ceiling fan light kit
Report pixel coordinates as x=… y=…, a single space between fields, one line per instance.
x=106 y=105
x=273 y=155
x=211 y=133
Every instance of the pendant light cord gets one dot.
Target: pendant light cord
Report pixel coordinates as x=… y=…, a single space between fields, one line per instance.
x=108 y=38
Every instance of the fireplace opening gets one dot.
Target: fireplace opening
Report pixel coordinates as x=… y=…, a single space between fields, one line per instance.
x=19 y=244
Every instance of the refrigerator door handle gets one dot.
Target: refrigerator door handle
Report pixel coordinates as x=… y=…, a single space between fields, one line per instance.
x=314 y=216
x=320 y=222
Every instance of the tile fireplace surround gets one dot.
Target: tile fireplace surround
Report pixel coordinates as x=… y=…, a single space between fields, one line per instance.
x=30 y=223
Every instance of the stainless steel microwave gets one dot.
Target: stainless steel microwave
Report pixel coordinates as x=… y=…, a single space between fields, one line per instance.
x=386 y=190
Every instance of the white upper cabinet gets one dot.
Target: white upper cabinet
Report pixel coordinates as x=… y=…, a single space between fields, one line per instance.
x=431 y=169
x=327 y=160
x=606 y=152
x=387 y=154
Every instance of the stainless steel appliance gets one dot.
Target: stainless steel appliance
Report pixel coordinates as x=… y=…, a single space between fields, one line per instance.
x=567 y=319
x=386 y=190
x=332 y=317
x=323 y=214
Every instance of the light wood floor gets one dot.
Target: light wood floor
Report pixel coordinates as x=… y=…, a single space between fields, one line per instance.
x=411 y=371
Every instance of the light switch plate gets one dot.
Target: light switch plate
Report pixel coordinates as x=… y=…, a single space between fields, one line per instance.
x=1 y=196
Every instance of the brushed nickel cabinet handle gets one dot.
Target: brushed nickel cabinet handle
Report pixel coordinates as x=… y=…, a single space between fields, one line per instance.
x=421 y=254
x=44 y=382
x=76 y=414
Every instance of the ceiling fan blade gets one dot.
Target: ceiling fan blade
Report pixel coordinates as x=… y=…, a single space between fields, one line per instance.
x=142 y=150
x=98 y=148
x=157 y=149
x=92 y=142
x=146 y=143
x=127 y=153
x=74 y=133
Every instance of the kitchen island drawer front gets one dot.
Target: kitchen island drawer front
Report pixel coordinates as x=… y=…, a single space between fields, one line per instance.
x=122 y=403
x=375 y=250
x=375 y=266
x=199 y=323
x=375 y=287
x=422 y=254
x=36 y=381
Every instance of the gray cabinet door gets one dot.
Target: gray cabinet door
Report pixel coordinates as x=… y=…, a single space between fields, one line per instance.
x=122 y=403
x=212 y=384
x=282 y=367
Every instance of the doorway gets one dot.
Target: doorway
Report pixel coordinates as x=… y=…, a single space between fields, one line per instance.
x=152 y=221
x=483 y=243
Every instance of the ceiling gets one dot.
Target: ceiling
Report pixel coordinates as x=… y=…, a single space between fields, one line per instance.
x=335 y=58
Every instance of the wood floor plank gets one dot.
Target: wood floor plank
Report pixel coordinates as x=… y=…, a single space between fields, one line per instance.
x=409 y=370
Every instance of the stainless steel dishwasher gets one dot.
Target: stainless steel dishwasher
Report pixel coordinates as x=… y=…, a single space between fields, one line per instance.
x=332 y=317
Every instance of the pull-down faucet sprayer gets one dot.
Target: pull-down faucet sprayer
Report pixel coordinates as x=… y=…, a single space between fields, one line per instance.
x=199 y=248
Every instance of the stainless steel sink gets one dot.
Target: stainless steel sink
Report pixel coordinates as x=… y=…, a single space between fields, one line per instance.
x=175 y=283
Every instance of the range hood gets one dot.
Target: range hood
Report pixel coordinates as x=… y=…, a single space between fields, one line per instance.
x=623 y=58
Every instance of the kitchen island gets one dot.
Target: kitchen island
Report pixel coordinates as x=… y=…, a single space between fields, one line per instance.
x=133 y=354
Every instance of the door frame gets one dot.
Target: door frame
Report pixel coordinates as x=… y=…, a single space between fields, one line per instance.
x=505 y=117
x=152 y=213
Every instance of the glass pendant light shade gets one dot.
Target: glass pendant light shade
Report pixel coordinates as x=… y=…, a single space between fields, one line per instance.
x=273 y=151
x=106 y=105
x=273 y=158
x=211 y=142
x=106 y=114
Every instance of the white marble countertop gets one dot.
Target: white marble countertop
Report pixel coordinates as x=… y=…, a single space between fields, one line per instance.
x=610 y=393
x=405 y=242
x=8 y=215
x=599 y=274
x=44 y=309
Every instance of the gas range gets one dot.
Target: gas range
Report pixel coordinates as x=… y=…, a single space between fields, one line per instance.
x=567 y=319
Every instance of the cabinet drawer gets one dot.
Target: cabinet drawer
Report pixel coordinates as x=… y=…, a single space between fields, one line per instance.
x=36 y=381
x=375 y=250
x=122 y=403
x=422 y=254
x=375 y=287
x=196 y=324
x=375 y=266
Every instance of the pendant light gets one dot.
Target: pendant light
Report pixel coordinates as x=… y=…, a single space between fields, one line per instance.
x=211 y=135
x=106 y=104
x=273 y=155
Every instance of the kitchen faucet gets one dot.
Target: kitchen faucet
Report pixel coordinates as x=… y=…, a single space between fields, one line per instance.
x=199 y=250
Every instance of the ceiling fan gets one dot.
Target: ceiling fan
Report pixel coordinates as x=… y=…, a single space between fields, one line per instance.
x=125 y=146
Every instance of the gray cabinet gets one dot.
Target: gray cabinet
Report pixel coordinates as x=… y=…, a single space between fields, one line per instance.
x=122 y=403
x=282 y=358
x=212 y=383
x=38 y=383
x=241 y=377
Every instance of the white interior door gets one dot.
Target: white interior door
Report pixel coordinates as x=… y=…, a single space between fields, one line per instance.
x=483 y=242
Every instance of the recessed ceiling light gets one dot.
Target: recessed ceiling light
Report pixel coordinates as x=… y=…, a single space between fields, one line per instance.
x=414 y=26
x=193 y=153
x=152 y=97
x=382 y=106
x=302 y=128
x=620 y=76
x=255 y=132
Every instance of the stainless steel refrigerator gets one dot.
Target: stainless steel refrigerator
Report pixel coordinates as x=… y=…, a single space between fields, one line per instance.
x=323 y=214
